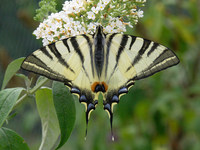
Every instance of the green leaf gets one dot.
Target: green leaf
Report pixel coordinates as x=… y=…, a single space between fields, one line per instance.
x=47 y=112
x=25 y=78
x=12 y=68
x=10 y=140
x=65 y=109
x=8 y=98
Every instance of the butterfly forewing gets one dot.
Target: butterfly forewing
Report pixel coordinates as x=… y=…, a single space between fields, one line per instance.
x=60 y=61
x=140 y=58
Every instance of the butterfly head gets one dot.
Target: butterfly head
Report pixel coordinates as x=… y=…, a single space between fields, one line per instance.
x=99 y=30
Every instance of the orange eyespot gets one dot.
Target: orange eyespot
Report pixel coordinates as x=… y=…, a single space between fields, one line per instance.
x=105 y=86
x=93 y=86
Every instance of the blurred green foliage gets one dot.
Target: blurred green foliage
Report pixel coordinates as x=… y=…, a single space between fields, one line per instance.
x=46 y=6
x=159 y=113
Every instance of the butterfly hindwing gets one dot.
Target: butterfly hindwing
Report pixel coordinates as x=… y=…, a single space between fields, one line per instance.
x=131 y=58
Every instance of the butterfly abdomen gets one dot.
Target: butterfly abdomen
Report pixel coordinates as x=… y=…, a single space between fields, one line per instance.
x=99 y=42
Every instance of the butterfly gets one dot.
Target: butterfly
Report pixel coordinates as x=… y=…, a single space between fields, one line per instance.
x=100 y=63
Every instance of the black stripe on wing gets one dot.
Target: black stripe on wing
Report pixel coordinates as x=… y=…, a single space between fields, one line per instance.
x=45 y=52
x=133 y=38
x=154 y=47
x=78 y=51
x=77 y=48
x=108 y=51
x=55 y=51
x=144 y=47
x=121 y=47
x=65 y=43
x=91 y=52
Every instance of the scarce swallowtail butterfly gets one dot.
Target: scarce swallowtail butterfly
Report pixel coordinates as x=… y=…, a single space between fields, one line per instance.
x=100 y=63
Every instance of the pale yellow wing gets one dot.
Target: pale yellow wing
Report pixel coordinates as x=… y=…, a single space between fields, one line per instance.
x=68 y=61
x=131 y=58
x=61 y=61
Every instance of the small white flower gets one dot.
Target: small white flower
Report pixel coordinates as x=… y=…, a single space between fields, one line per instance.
x=37 y=33
x=55 y=26
x=141 y=1
x=49 y=38
x=77 y=25
x=79 y=3
x=121 y=28
x=74 y=6
x=74 y=32
x=45 y=42
x=136 y=21
x=106 y=1
x=109 y=29
x=54 y=16
x=118 y=22
x=100 y=6
x=82 y=30
x=130 y=25
x=91 y=15
x=67 y=8
x=140 y=13
x=94 y=10
x=62 y=30
x=112 y=6
x=63 y=37
x=92 y=26
x=67 y=26
x=133 y=10
x=113 y=24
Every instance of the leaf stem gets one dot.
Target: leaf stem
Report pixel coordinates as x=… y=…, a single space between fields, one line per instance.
x=20 y=100
x=30 y=92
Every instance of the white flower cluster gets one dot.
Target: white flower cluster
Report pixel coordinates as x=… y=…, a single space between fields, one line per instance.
x=57 y=27
x=81 y=17
x=74 y=6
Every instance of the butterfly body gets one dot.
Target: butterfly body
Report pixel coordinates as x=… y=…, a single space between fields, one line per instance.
x=100 y=63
